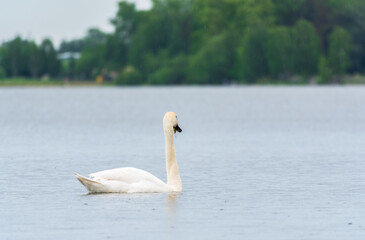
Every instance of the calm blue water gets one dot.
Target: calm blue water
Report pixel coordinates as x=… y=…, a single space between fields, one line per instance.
x=256 y=162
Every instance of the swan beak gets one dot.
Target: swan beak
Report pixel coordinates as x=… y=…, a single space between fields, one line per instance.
x=177 y=128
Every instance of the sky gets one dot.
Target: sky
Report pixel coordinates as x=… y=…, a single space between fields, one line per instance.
x=57 y=19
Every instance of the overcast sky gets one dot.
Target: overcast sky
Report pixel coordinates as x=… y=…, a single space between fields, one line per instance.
x=56 y=19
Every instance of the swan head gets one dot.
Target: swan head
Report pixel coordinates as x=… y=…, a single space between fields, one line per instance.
x=170 y=121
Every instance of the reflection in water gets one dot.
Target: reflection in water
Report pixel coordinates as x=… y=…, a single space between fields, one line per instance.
x=171 y=203
x=172 y=217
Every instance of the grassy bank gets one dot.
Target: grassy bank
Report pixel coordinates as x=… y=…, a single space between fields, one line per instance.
x=354 y=79
x=39 y=82
x=346 y=80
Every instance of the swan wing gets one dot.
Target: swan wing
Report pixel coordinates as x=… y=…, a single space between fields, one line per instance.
x=128 y=175
x=123 y=180
x=90 y=184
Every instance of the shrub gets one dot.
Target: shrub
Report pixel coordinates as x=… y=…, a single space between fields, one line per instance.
x=2 y=73
x=251 y=61
x=211 y=65
x=339 y=51
x=279 y=51
x=293 y=50
x=307 y=48
x=325 y=73
x=173 y=72
x=161 y=77
x=129 y=76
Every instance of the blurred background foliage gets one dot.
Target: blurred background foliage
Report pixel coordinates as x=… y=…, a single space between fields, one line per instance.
x=206 y=42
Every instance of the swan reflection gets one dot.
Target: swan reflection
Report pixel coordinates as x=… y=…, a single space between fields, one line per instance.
x=171 y=203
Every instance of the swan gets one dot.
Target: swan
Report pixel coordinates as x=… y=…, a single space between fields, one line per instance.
x=133 y=180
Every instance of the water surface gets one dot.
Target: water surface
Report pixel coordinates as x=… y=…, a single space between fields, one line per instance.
x=256 y=162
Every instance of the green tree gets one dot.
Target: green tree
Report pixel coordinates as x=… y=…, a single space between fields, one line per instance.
x=117 y=44
x=20 y=58
x=214 y=17
x=353 y=13
x=307 y=48
x=287 y=12
x=94 y=37
x=2 y=72
x=173 y=71
x=152 y=62
x=339 y=51
x=211 y=65
x=251 y=61
x=293 y=50
x=324 y=71
x=50 y=65
x=208 y=42
x=90 y=63
x=161 y=33
x=115 y=53
x=279 y=50
x=68 y=68
x=75 y=45
x=34 y=59
x=125 y=21
x=256 y=17
x=14 y=58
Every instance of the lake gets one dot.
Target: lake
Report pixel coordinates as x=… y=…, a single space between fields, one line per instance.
x=255 y=162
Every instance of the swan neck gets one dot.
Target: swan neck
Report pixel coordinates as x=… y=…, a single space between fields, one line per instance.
x=172 y=169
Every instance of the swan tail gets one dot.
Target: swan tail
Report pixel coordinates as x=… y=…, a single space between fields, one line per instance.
x=90 y=184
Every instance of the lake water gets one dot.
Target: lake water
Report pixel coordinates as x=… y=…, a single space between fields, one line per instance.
x=256 y=162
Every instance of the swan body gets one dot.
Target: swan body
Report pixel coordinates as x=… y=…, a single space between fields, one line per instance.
x=133 y=180
x=123 y=180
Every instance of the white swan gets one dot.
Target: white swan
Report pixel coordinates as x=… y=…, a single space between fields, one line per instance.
x=133 y=180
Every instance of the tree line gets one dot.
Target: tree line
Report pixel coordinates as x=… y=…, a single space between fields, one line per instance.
x=206 y=42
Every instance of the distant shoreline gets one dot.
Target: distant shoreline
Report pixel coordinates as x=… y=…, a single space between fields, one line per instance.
x=44 y=83
x=25 y=82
